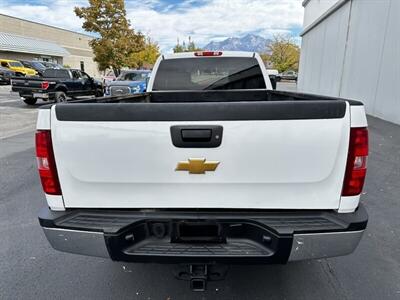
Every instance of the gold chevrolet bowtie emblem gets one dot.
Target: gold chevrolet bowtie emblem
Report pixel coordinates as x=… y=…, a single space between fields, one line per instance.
x=197 y=165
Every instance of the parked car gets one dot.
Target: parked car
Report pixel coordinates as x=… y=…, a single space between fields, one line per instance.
x=209 y=166
x=17 y=67
x=128 y=82
x=51 y=65
x=6 y=75
x=37 y=66
x=57 y=84
x=287 y=75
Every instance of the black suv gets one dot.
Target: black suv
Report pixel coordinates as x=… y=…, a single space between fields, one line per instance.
x=36 y=65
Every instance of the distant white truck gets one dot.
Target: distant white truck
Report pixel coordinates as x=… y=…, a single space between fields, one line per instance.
x=209 y=166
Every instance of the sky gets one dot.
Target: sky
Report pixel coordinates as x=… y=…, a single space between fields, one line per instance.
x=167 y=20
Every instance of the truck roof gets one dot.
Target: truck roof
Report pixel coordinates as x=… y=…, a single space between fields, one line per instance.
x=8 y=60
x=220 y=54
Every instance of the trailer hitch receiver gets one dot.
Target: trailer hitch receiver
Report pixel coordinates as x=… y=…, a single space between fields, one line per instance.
x=199 y=274
x=198 y=277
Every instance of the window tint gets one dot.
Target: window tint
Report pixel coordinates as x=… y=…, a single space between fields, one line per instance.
x=85 y=76
x=38 y=65
x=16 y=64
x=133 y=76
x=76 y=74
x=56 y=73
x=209 y=73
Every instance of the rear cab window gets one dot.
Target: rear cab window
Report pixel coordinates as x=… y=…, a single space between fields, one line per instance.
x=209 y=73
x=56 y=73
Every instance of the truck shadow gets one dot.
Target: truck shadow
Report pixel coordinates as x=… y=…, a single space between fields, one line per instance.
x=300 y=280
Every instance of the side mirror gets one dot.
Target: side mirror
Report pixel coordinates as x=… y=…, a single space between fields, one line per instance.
x=272 y=78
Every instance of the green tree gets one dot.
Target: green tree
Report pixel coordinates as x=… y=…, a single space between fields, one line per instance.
x=116 y=40
x=265 y=57
x=147 y=57
x=178 y=48
x=285 y=54
x=191 y=46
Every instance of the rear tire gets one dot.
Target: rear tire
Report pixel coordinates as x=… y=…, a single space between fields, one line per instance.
x=99 y=93
x=60 y=97
x=30 y=101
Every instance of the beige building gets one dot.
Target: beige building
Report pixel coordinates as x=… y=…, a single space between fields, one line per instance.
x=23 y=39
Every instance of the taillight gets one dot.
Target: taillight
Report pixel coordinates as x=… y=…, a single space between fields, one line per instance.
x=46 y=163
x=356 y=167
x=44 y=85
x=208 y=53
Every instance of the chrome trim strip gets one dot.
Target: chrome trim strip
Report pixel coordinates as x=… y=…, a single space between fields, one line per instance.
x=322 y=245
x=77 y=241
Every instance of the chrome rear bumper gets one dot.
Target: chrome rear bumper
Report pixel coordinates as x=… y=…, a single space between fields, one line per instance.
x=304 y=246
x=323 y=245
x=77 y=241
x=204 y=237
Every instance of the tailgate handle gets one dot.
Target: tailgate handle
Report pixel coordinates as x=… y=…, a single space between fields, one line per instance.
x=199 y=135
x=196 y=136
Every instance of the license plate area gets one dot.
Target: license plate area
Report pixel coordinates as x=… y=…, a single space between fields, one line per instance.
x=197 y=232
x=40 y=95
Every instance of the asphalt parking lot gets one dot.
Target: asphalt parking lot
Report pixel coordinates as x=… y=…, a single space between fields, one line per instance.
x=30 y=268
x=16 y=117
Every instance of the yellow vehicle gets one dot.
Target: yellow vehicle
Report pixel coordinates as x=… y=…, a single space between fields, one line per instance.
x=17 y=67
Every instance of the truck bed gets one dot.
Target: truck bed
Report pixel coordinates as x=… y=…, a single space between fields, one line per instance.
x=214 y=96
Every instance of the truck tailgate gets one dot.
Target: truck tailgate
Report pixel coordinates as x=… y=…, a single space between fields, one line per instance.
x=27 y=82
x=273 y=154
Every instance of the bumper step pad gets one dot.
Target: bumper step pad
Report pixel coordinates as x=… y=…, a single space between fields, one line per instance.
x=231 y=248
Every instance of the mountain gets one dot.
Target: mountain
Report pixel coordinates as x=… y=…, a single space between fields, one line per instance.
x=250 y=42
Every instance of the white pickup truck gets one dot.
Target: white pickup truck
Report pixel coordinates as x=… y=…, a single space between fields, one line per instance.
x=209 y=166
